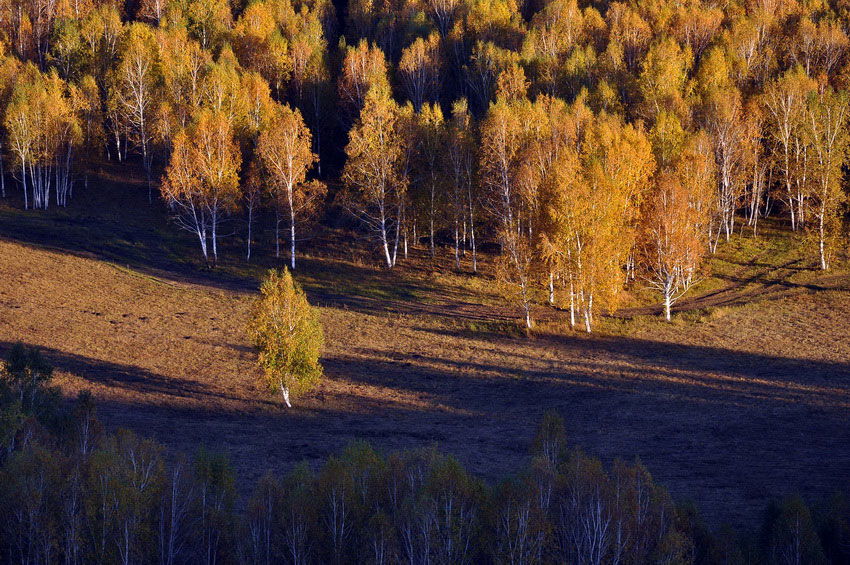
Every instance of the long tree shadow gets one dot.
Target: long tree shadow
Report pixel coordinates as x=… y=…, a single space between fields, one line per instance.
x=328 y=282
x=144 y=242
x=629 y=365
x=135 y=380
x=730 y=445
x=729 y=429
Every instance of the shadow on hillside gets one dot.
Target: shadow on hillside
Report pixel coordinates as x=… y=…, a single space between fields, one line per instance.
x=328 y=282
x=128 y=232
x=699 y=417
x=741 y=288
x=695 y=431
x=624 y=365
x=141 y=240
x=131 y=379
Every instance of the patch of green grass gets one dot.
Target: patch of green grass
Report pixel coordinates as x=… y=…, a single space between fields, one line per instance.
x=495 y=329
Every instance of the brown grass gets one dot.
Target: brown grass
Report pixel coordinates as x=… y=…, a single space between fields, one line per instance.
x=746 y=396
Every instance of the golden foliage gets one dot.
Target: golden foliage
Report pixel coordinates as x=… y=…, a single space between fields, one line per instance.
x=288 y=335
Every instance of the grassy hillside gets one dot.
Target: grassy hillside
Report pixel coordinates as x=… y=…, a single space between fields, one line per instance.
x=743 y=397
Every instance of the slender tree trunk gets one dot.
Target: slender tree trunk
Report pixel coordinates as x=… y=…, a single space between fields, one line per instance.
x=147 y=167
x=572 y=304
x=291 y=232
x=457 y=247
x=551 y=288
x=2 y=174
x=463 y=238
x=214 y=234
x=432 y=227
x=527 y=310
x=398 y=226
x=250 y=222
x=202 y=237
x=793 y=216
x=24 y=182
x=823 y=264
x=385 y=243
x=318 y=139
x=472 y=232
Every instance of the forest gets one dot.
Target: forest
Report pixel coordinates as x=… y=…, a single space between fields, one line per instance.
x=595 y=145
x=561 y=161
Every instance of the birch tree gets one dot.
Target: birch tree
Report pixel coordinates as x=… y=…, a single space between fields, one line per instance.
x=725 y=122
x=288 y=335
x=10 y=67
x=419 y=69
x=591 y=207
x=260 y=47
x=431 y=142
x=502 y=139
x=137 y=90
x=184 y=65
x=696 y=170
x=284 y=151
x=201 y=182
x=826 y=130
x=672 y=243
x=373 y=172
x=43 y=130
x=460 y=154
x=785 y=103
x=363 y=68
x=183 y=190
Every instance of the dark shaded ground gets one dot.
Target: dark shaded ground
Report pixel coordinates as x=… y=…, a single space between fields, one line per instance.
x=743 y=404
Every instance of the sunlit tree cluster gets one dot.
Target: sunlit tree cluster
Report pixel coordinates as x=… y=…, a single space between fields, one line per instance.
x=599 y=146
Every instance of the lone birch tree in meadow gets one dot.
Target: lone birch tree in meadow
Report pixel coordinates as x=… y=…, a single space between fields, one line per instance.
x=288 y=335
x=284 y=152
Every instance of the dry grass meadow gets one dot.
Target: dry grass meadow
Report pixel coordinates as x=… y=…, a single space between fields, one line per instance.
x=745 y=396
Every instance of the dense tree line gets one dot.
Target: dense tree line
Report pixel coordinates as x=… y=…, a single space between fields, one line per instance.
x=72 y=493
x=600 y=144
